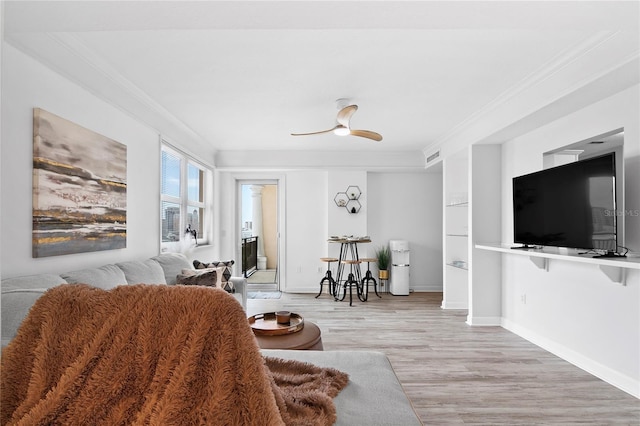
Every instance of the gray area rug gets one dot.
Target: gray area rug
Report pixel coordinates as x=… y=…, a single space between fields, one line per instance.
x=263 y=295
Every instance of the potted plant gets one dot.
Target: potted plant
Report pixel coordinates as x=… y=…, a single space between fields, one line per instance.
x=383 y=256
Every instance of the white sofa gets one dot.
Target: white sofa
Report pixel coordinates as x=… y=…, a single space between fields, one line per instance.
x=18 y=294
x=374 y=396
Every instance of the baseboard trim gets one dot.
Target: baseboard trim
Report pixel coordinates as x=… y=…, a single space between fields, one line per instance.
x=454 y=305
x=305 y=290
x=416 y=289
x=614 y=378
x=436 y=288
x=484 y=321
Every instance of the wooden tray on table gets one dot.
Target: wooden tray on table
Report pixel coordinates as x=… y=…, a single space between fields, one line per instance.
x=266 y=324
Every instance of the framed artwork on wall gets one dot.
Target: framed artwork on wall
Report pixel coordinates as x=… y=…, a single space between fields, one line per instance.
x=79 y=188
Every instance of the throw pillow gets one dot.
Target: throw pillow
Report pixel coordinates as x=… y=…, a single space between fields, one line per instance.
x=226 y=273
x=207 y=278
x=219 y=270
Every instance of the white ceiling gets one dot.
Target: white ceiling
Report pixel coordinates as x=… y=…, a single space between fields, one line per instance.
x=239 y=75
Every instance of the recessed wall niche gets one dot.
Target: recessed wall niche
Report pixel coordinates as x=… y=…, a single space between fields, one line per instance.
x=612 y=141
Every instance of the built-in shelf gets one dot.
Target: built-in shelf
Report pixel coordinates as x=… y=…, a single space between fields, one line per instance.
x=349 y=199
x=614 y=268
x=464 y=268
x=472 y=278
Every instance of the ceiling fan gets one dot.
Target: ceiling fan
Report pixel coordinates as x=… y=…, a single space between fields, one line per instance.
x=342 y=127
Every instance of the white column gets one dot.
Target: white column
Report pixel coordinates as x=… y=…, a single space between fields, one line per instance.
x=256 y=201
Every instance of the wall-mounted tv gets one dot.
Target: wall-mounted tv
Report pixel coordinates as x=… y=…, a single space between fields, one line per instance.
x=573 y=205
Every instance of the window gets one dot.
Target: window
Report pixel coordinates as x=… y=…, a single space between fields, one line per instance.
x=182 y=204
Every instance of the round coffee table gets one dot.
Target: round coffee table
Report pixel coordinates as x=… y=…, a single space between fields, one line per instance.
x=309 y=338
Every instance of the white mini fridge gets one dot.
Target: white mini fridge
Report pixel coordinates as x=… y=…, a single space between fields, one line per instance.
x=399 y=276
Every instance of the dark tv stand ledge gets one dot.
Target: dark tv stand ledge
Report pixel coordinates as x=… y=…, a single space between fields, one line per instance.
x=615 y=268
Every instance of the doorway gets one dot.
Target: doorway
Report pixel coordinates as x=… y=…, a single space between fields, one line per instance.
x=259 y=234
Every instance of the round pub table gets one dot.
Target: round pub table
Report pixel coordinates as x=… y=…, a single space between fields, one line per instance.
x=309 y=338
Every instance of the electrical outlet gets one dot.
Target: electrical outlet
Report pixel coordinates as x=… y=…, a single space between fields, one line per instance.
x=299 y=270
x=523 y=299
x=319 y=269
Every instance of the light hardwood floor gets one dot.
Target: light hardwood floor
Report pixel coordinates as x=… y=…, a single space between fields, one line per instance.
x=457 y=374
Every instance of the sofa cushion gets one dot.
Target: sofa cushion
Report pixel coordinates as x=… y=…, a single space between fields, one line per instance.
x=18 y=295
x=105 y=277
x=374 y=395
x=144 y=272
x=15 y=307
x=172 y=264
x=41 y=281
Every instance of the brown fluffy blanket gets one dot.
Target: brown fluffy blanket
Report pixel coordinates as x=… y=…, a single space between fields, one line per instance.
x=153 y=355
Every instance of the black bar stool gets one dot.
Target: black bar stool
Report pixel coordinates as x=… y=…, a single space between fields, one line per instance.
x=328 y=278
x=351 y=281
x=368 y=277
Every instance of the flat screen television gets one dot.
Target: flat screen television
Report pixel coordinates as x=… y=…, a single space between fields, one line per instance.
x=573 y=205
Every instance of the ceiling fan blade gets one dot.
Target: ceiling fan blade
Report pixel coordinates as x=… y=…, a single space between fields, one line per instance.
x=314 y=133
x=367 y=134
x=344 y=115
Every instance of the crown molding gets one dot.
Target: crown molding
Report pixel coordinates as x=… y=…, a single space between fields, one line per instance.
x=92 y=73
x=322 y=160
x=561 y=77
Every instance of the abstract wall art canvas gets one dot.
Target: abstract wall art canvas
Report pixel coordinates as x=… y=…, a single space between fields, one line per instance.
x=79 y=188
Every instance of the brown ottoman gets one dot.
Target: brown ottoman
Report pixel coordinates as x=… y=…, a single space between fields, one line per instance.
x=309 y=338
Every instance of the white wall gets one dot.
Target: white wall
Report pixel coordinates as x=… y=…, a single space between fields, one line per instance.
x=340 y=221
x=307 y=229
x=2 y=15
x=573 y=310
x=408 y=206
x=27 y=84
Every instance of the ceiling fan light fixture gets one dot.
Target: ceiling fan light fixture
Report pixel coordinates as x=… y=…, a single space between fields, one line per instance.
x=343 y=128
x=341 y=131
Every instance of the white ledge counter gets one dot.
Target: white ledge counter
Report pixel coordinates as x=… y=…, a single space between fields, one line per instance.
x=613 y=267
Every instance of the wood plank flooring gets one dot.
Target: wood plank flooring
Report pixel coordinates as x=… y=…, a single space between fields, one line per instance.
x=457 y=374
